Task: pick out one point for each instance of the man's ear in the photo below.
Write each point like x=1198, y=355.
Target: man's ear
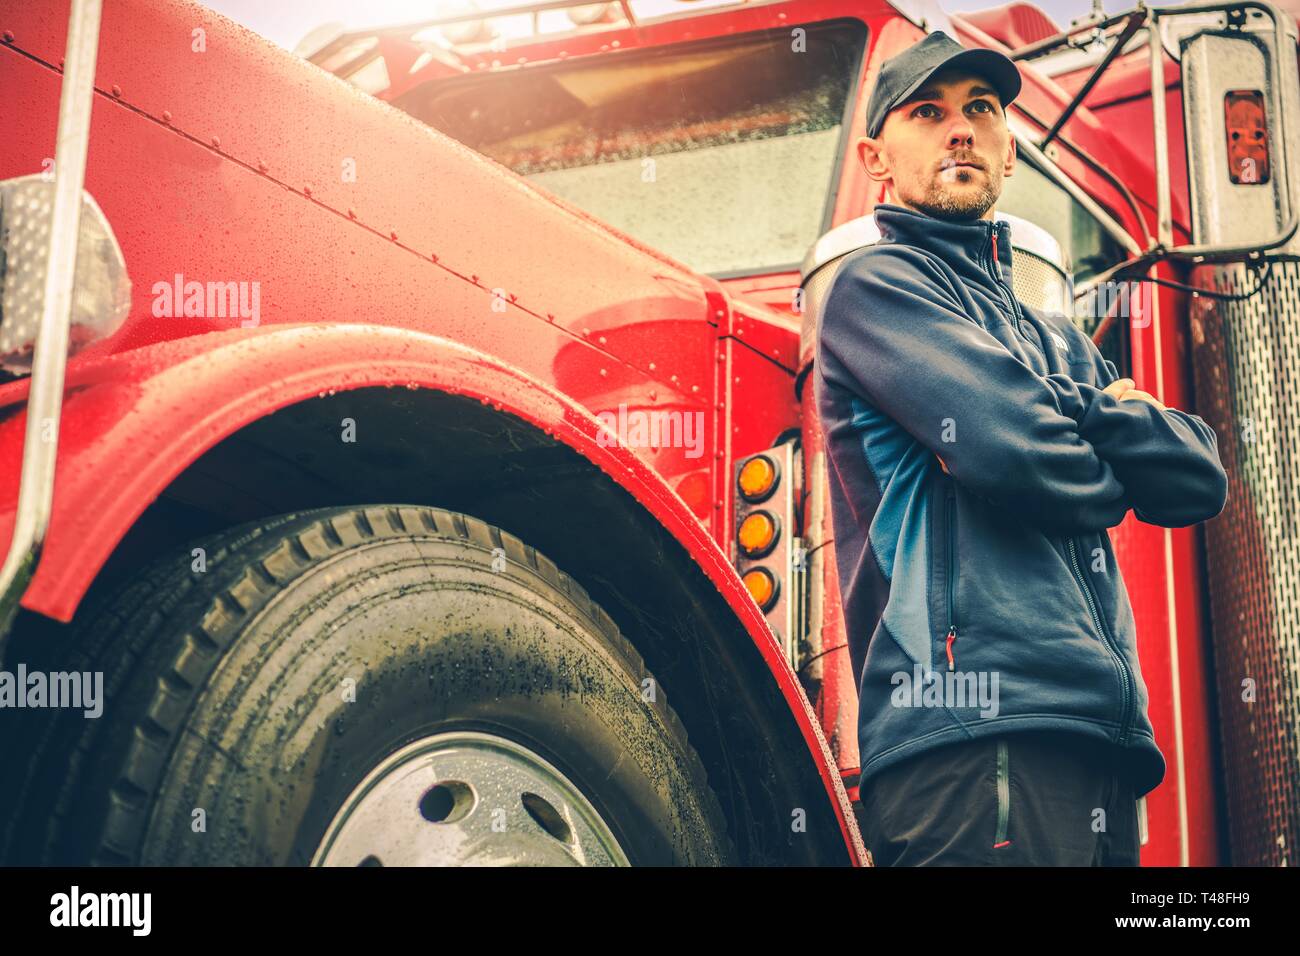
x=871, y=155
x=1009, y=166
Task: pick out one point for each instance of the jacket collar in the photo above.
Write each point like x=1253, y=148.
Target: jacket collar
x=966, y=246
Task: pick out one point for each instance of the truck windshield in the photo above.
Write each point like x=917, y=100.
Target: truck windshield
x=722, y=154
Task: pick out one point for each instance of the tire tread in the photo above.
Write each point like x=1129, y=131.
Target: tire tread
x=130, y=623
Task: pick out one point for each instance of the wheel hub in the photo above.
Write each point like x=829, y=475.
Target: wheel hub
x=467, y=799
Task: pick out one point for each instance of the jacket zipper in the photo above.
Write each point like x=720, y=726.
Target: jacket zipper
x=1125, y=677
x=1105, y=636
x=997, y=277
x=952, y=575
x=1002, y=290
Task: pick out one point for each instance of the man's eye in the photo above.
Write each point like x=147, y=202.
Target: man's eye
x=917, y=111
x=983, y=103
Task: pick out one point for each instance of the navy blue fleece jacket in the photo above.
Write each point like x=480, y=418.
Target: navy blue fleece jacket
x=1000, y=574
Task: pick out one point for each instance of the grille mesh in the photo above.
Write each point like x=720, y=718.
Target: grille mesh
x=1038, y=283
x=1246, y=365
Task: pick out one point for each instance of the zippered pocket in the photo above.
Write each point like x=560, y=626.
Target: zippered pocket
x=1127, y=693
x=1004, y=794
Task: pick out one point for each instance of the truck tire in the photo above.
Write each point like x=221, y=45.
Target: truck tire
x=380, y=685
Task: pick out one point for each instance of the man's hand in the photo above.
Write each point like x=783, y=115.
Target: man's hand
x=1118, y=387
x=1122, y=389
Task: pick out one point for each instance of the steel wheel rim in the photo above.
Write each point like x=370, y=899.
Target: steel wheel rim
x=466, y=798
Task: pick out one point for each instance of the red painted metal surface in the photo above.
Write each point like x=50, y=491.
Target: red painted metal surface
x=228, y=165
x=427, y=239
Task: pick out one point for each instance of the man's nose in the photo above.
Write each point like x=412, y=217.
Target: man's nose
x=961, y=134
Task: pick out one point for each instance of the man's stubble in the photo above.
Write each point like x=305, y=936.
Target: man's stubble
x=943, y=203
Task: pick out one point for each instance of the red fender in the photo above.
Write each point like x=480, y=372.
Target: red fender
x=134, y=421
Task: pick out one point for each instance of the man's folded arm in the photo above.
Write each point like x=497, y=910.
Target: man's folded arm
x=894, y=333
x=1167, y=460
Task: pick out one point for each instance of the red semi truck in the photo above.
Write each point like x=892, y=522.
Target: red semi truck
x=407, y=448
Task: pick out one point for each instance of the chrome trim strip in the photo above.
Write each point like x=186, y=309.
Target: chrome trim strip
x=1160, y=131
x=50, y=359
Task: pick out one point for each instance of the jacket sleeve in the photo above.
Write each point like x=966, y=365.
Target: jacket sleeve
x=1168, y=461
x=894, y=333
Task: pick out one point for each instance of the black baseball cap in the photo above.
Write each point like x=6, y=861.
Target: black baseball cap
x=903, y=74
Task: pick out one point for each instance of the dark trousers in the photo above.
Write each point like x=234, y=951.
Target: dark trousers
x=1033, y=798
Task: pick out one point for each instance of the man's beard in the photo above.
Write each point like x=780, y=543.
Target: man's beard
x=942, y=203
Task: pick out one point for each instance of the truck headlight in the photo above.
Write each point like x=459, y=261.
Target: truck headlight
x=102, y=294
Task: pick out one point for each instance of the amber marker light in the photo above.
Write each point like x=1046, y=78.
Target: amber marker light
x=1246, y=128
x=758, y=478
x=762, y=587
x=758, y=533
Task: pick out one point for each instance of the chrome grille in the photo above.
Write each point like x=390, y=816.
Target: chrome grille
x=1246, y=364
x=1037, y=283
